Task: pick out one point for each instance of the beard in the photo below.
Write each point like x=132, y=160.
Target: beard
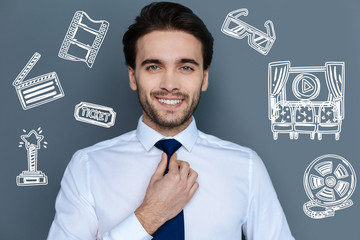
x=162, y=121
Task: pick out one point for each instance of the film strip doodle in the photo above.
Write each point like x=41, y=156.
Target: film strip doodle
x=258, y=40
x=38, y=90
x=83, y=39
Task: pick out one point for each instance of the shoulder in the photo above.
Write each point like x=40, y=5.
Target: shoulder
x=224, y=145
x=103, y=146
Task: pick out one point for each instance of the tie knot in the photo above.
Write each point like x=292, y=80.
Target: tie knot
x=168, y=145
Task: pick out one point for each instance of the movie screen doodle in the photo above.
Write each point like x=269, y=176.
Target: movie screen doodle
x=38, y=90
x=306, y=100
x=32, y=143
x=329, y=182
x=83, y=39
x=258, y=40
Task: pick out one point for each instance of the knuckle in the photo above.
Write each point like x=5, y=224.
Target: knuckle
x=194, y=173
x=186, y=164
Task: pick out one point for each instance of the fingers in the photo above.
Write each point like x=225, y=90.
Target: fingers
x=192, y=176
x=159, y=172
x=173, y=163
x=184, y=169
x=192, y=190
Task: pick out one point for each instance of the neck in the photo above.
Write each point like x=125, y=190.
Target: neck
x=166, y=131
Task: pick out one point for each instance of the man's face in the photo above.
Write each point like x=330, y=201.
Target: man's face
x=168, y=77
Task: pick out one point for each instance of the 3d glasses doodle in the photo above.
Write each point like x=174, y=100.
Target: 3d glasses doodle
x=83, y=39
x=95, y=114
x=313, y=105
x=38, y=90
x=32, y=177
x=329, y=182
x=258, y=40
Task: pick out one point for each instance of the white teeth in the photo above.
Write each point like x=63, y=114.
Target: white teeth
x=170, y=102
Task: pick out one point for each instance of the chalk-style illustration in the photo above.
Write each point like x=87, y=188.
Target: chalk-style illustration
x=83, y=39
x=329, y=182
x=32, y=177
x=38, y=90
x=95, y=114
x=258, y=40
x=306, y=100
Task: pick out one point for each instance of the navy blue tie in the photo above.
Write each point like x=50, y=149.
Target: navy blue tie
x=174, y=228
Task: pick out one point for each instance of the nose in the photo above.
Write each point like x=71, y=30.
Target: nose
x=170, y=81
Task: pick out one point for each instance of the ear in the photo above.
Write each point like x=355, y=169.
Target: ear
x=205, y=82
x=132, y=79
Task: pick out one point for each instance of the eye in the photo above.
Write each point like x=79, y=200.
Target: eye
x=153, y=68
x=186, y=68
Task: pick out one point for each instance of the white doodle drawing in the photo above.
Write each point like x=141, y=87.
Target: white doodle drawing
x=313, y=105
x=32, y=177
x=38, y=90
x=258, y=40
x=329, y=182
x=95, y=114
x=83, y=39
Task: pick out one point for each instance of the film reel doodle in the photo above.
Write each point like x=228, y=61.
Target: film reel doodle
x=38, y=90
x=329, y=182
x=83, y=37
x=32, y=143
x=258, y=40
x=306, y=100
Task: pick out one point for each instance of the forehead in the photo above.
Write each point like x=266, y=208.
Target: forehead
x=168, y=46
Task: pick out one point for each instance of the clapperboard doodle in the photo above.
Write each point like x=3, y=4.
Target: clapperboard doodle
x=306, y=100
x=38, y=90
x=329, y=182
x=258, y=40
x=95, y=114
x=32, y=143
x=83, y=39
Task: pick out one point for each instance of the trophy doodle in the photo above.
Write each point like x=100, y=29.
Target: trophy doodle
x=32, y=177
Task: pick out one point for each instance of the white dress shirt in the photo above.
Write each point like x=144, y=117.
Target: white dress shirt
x=105, y=183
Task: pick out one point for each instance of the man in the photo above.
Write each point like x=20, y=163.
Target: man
x=129, y=188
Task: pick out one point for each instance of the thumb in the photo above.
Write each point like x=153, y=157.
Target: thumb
x=160, y=170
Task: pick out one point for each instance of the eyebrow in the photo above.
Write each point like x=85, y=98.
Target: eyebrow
x=149, y=61
x=189, y=60
x=157, y=61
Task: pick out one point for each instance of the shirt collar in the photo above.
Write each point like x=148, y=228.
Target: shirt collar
x=148, y=136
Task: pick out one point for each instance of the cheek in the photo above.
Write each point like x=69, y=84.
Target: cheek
x=146, y=84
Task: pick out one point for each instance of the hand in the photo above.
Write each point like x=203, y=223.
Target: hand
x=167, y=194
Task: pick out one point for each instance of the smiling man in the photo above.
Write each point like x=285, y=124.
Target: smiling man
x=135, y=186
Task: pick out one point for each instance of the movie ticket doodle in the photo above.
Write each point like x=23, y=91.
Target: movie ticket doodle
x=329, y=182
x=95, y=114
x=83, y=39
x=38, y=90
x=31, y=142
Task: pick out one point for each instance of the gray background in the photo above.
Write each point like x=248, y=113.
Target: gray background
x=309, y=33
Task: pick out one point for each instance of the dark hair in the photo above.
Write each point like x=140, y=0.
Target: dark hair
x=167, y=16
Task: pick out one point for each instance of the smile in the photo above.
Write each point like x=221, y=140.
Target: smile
x=170, y=102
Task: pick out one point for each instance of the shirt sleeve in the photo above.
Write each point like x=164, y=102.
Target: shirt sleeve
x=266, y=219
x=75, y=216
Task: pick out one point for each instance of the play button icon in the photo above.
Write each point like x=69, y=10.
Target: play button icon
x=306, y=86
